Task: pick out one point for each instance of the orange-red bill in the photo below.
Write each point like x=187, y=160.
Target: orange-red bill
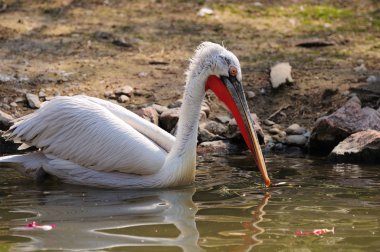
x=230, y=91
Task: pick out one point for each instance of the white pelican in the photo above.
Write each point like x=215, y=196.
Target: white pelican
x=89, y=141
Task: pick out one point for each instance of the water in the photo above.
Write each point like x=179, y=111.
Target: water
x=227, y=210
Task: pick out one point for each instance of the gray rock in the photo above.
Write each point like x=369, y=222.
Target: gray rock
x=5, y=120
x=109, y=94
x=123, y=99
x=219, y=146
x=280, y=74
x=169, y=118
x=223, y=119
x=216, y=128
x=282, y=133
x=274, y=131
x=19, y=99
x=33, y=101
x=6, y=106
x=360, y=69
x=373, y=80
x=295, y=129
x=205, y=108
x=361, y=147
x=250, y=94
x=160, y=109
x=13, y=104
x=269, y=122
x=175, y=104
x=234, y=131
x=298, y=140
x=279, y=139
x=150, y=114
x=126, y=90
x=204, y=135
x=49, y=98
x=41, y=94
x=332, y=129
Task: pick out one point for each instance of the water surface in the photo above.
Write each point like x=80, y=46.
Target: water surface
x=227, y=209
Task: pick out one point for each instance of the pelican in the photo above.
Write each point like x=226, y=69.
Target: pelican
x=89, y=141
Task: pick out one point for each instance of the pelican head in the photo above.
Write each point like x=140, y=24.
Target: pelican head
x=222, y=73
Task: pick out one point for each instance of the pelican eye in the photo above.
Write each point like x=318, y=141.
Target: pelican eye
x=233, y=71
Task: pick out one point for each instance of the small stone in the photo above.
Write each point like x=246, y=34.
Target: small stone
x=160, y=109
x=149, y=113
x=205, y=108
x=109, y=94
x=49, y=98
x=41, y=94
x=33, y=101
x=295, y=129
x=373, y=80
x=19, y=99
x=346, y=93
x=123, y=99
x=216, y=128
x=223, y=119
x=262, y=91
x=274, y=131
x=282, y=133
x=175, y=104
x=5, y=120
x=6, y=106
x=360, y=69
x=126, y=90
x=298, y=140
x=280, y=74
x=204, y=135
x=278, y=139
x=13, y=104
x=142, y=74
x=269, y=122
x=250, y=95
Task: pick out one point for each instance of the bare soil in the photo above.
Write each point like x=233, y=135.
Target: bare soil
x=70, y=47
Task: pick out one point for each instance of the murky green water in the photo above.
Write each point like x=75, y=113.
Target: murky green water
x=227, y=210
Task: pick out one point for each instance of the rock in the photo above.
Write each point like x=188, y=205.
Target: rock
x=123, y=99
x=204, y=135
x=298, y=140
x=205, y=11
x=13, y=104
x=295, y=129
x=216, y=128
x=219, y=146
x=274, y=131
x=169, y=118
x=150, y=114
x=33, y=101
x=332, y=129
x=126, y=90
x=360, y=69
x=142, y=74
x=250, y=94
x=41, y=94
x=282, y=133
x=279, y=139
x=269, y=122
x=160, y=109
x=363, y=146
x=49, y=98
x=19, y=99
x=373, y=80
x=5, y=120
x=109, y=94
x=175, y=104
x=280, y=74
x=223, y=119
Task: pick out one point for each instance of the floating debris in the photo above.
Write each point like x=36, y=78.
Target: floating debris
x=35, y=225
x=315, y=232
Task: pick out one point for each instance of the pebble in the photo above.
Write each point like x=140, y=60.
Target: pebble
x=205, y=11
x=298, y=140
x=123, y=99
x=204, y=135
x=175, y=104
x=5, y=120
x=13, y=104
x=19, y=99
x=269, y=122
x=216, y=128
x=41, y=94
x=295, y=129
x=360, y=69
x=109, y=94
x=49, y=98
x=223, y=119
x=126, y=90
x=274, y=131
x=373, y=79
x=6, y=106
x=142, y=74
x=250, y=94
x=33, y=101
x=160, y=109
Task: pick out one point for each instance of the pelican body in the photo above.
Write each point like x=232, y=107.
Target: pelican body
x=90, y=141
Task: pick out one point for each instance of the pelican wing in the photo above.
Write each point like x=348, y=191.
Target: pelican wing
x=88, y=132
